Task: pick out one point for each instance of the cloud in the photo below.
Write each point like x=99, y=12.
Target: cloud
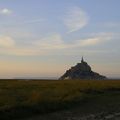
x=8, y=46
x=33, y=21
x=75, y=19
x=53, y=41
x=5, y=11
x=6, y=41
x=93, y=41
x=110, y=25
x=21, y=51
x=48, y=45
x=23, y=22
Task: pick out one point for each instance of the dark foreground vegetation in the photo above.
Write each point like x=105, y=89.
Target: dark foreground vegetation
x=27, y=98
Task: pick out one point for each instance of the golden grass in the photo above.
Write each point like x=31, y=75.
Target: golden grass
x=48, y=95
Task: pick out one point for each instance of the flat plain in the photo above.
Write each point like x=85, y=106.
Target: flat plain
x=55, y=99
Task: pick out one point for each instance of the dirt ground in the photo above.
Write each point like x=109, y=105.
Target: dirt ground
x=77, y=115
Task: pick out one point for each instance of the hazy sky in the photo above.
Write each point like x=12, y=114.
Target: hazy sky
x=43, y=38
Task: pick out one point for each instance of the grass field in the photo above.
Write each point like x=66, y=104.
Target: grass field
x=25, y=98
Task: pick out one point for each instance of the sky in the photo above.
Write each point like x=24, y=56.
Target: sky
x=44, y=38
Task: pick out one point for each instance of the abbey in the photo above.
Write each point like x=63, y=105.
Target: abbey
x=81, y=71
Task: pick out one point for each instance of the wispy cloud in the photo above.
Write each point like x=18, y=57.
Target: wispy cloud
x=111, y=24
x=75, y=19
x=5, y=11
x=21, y=51
x=94, y=41
x=55, y=41
x=33, y=21
x=24, y=22
x=6, y=41
x=48, y=45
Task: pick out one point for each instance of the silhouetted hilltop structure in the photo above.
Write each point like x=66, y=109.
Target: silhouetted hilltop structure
x=81, y=71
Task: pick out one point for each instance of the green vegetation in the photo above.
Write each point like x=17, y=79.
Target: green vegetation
x=22, y=98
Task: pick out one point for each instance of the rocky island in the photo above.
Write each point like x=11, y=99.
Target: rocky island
x=81, y=71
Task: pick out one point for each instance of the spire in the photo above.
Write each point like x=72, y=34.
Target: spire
x=82, y=60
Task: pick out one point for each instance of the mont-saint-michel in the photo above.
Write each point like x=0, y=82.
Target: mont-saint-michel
x=81, y=71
